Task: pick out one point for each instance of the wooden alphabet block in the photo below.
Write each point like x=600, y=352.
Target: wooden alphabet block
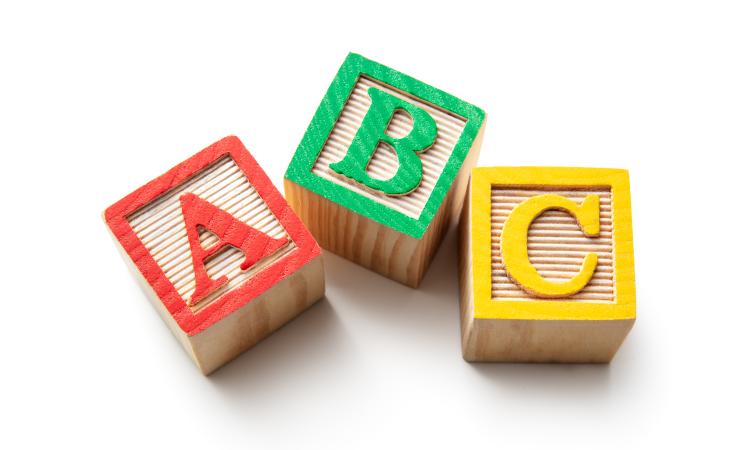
x=223, y=258
x=546, y=264
x=383, y=168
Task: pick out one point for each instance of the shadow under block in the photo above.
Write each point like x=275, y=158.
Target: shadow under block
x=383, y=168
x=546, y=265
x=221, y=255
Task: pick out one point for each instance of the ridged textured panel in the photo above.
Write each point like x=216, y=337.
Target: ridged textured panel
x=556, y=245
x=161, y=227
x=384, y=162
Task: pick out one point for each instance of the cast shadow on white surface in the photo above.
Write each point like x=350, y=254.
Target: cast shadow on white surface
x=568, y=383
x=577, y=381
x=366, y=320
x=432, y=312
x=286, y=356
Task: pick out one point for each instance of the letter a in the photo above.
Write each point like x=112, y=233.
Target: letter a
x=254, y=244
x=372, y=132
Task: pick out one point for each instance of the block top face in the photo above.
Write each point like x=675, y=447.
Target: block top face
x=551, y=243
x=210, y=235
x=385, y=145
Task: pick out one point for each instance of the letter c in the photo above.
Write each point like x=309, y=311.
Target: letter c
x=514, y=244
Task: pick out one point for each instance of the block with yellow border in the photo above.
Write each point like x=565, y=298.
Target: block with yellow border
x=546, y=264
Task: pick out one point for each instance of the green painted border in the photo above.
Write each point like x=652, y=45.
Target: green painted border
x=300, y=168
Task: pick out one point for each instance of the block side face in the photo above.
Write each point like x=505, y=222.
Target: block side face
x=150, y=225
x=256, y=320
x=326, y=138
x=355, y=237
x=547, y=341
x=553, y=243
x=466, y=279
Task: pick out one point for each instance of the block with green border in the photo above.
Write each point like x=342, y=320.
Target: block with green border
x=383, y=168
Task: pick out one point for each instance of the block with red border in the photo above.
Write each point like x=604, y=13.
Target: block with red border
x=223, y=257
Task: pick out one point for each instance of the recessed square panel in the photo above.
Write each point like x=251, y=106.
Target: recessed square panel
x=160, y=226
x=384, y=162
x=556, y=245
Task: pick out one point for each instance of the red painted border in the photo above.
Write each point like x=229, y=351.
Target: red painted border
x=306, y=247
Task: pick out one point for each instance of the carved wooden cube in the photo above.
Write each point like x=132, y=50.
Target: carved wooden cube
x=546, y=265
x=223, y=258
x=383, y=168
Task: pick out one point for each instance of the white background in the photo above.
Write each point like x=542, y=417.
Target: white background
x=96, y=100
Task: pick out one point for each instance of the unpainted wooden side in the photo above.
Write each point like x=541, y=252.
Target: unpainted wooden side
x=544, y=341
x=228, y=338
x=465, y=273
x=257, y=319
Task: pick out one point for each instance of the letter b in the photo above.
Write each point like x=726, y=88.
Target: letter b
x=372, y=131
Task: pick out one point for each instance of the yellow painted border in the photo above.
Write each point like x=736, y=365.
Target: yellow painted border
x=482, y=180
